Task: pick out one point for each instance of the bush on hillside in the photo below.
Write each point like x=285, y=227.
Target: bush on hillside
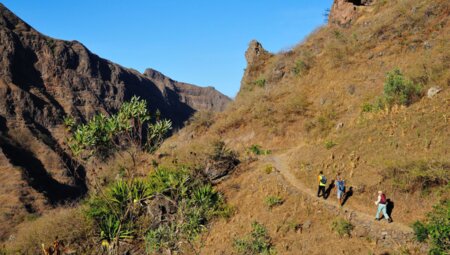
x=102, y=135
x=436, y=228
x=342, y=227
x=260, y=83
x=257, y=242
x=272, y=201
x=257, y=150
x=330, y=144
x=179, y=204
x=399, y=90
x=300, y=68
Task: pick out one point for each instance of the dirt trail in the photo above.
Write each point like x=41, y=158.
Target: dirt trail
x=365, y=226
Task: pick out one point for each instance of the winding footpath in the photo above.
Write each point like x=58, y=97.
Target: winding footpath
x=389, y=235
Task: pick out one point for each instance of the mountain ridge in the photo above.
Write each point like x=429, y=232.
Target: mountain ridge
x=42, y=80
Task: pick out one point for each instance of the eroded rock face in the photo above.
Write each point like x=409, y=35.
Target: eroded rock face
x=343, y=12
x=256, y=57
x=255, y=52
x=41, y=81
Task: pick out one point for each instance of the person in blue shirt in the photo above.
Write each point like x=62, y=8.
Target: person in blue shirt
x=340, y=185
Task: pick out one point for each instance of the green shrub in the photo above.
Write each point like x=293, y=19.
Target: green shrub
x=325, y=121
x=260, y=83
x=257, y=150
x=101, y=136
x=116, y=210
x=300, y=68
x=257, y=242
x=342, y=227
x=272, y=201
x=399, y=90
x=163, y=238
x=268, y=169
x=420, y=230
x=368, y=107
x=436, y=228
x=330, y=144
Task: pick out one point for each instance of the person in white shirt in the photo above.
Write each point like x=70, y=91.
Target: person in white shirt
x=381, y=203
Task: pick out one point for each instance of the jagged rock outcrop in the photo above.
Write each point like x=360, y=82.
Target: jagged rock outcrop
x=343, y=12
x=199, y=98
x=41, y=81
x=256, y=57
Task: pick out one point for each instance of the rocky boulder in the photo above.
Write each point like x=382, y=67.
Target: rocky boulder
x=343, y=12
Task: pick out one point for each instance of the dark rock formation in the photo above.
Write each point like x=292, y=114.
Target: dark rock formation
x=343, y=12
x=41, y=81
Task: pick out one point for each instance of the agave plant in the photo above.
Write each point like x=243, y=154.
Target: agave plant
x=103, y=135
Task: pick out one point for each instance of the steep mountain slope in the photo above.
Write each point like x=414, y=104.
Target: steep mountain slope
x=197, y=97
x=318, y=105
x=41, y=81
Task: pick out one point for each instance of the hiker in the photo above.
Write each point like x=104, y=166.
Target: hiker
x=340, y=184
x=382, y=202
x=322, y=184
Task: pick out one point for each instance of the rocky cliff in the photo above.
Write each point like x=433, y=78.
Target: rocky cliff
x=41, y=81
x=343, y=12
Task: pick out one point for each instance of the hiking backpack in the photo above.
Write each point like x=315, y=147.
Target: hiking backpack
x=383, y=199
x=323, y=180
x=341, y=185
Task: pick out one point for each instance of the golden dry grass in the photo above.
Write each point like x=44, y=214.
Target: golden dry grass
x=66, y=224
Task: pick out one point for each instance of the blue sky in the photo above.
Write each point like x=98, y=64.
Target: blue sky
x=195, y=41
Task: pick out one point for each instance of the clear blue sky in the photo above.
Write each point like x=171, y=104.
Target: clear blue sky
x=196, y=41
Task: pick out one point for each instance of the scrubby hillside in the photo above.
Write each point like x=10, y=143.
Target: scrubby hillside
x=366, y=96
x=43, y=80
x=356, y=97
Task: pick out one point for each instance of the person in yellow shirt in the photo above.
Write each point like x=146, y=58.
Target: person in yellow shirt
x=322, y=184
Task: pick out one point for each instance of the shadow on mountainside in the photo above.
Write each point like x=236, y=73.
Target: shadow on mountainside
x=35, y=174
x=348, y=194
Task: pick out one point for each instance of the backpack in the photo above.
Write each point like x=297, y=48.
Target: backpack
x=323, y=180
x=341, y=185
x=383, y=199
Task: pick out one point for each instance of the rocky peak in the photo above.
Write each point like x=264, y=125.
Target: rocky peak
x=255, y=52
x=343, y=12
x=154, y=74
